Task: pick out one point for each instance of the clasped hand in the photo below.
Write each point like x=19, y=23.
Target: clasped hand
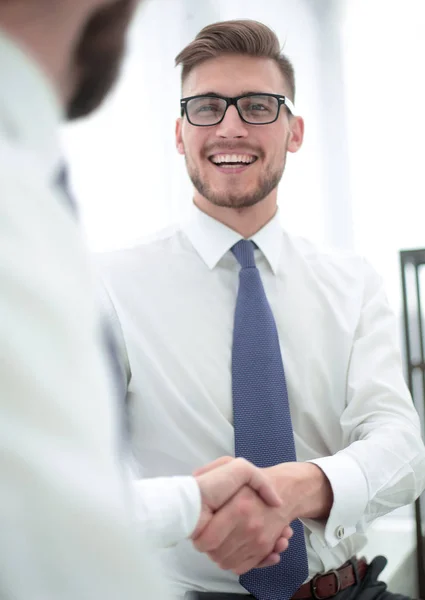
x=243, y=523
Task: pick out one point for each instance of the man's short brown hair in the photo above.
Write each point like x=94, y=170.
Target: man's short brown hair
x=247, y=37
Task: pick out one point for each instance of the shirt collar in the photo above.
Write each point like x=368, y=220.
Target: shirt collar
x=30, y=108
x=212, y=239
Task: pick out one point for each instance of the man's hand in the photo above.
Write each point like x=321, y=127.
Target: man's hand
x=251, y=529
x=305, y=487
x=221, y=480
x=237, y=535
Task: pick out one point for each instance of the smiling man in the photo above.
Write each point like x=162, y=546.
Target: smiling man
x=244, y=340
x=231, y=164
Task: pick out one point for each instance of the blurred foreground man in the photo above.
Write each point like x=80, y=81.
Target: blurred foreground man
x=67, y=520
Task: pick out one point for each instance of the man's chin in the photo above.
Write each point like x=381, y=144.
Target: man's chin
x=232, y=201
x=236, y=195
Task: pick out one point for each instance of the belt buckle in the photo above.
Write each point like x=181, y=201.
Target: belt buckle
x=314, y=587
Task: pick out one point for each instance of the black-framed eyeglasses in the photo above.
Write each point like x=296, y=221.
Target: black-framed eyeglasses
x=254, y=109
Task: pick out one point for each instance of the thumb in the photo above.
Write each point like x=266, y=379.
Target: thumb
x=223, y=460
x=222, y=483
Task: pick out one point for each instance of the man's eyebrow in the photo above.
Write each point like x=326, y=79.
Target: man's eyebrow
x=213, y=94
x=216, y=95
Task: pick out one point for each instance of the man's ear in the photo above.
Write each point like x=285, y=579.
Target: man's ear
x=296, y=135
x=179, y=139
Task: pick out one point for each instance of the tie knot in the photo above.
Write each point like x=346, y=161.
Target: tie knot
x=244, y=253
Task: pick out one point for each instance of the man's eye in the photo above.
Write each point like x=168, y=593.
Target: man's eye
x=258, y=107
x=208, y=108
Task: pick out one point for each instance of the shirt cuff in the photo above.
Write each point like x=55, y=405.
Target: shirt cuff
x=350, y=495
x=167, y=508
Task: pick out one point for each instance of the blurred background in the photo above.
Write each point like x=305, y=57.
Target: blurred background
x=357, y=183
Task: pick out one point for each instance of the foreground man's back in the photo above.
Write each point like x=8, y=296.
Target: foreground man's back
x=66, y=519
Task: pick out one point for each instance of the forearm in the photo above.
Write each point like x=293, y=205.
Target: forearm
x=370, y=478
x=64, y=507
x=315, y=493
x=391, y=461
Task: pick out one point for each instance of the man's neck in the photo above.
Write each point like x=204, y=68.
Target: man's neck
x=246, y=221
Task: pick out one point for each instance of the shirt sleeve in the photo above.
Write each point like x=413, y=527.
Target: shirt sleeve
x=167, y=508
x=66, y=518
x=382, y=465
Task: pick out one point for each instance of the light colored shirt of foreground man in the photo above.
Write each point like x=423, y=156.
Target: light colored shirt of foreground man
x=352, y=414
x=66, y=517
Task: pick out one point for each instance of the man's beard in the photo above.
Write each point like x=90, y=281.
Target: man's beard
x=99, y=55
x=267, y=183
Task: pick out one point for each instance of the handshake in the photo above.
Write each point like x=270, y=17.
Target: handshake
x=244, y=524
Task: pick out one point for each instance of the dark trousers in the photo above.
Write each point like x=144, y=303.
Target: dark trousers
x=368, y=589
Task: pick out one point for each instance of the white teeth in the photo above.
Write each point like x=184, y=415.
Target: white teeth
x=233, y=158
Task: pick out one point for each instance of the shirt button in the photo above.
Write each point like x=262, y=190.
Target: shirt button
x=340, y=532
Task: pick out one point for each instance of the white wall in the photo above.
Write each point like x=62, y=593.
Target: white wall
x=383, y=55
x=384, y=50
x=128, y=177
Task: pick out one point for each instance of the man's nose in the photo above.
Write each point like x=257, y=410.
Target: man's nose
x=232, y=125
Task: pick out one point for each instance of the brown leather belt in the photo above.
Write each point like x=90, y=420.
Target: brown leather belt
x=321, y=587
x=328, y=584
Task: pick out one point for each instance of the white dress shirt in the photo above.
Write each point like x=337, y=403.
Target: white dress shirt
x=66, y=507
x=351, y=411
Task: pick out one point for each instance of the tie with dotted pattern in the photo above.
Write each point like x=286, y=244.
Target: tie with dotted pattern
x=262, y=420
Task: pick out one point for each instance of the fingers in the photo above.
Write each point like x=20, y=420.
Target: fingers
x=271, y=560
x=236, y=533
x=261, y=483
x=220, y=527
x=246, y=557
x=204, y=518
x=243, y=500
x=242, y=535
x=245, y=561
x=222, y=483
x=252, y=563
x=288, y=532
x=282, y=544
x=223, y=460
x=250, y=554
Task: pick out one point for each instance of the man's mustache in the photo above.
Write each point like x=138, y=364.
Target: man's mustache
x=232, y=148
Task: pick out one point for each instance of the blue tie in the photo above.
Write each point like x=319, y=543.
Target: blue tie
x=262, y=421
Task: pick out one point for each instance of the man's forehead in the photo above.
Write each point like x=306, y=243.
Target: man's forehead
x=217, y=91
x=235, y=75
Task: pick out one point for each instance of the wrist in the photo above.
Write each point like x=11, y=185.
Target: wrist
x=204, y=514
x=307, y=485
x=318, y=493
